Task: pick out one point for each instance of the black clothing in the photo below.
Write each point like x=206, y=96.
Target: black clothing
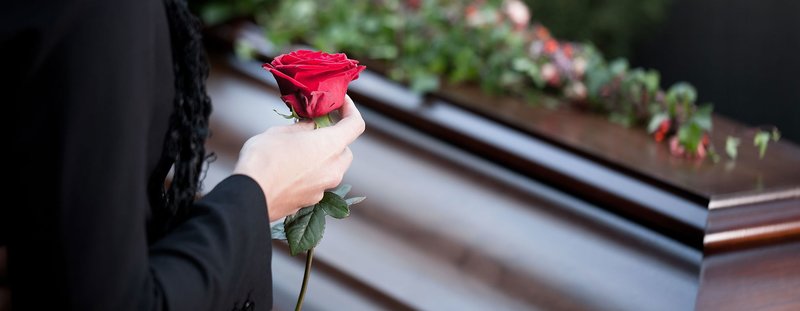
x=90, y=85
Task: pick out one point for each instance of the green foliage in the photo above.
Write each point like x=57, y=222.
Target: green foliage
x=304, y=230
x=762, y=138
x=452, y=41
x=213, y=12
x=732, y=146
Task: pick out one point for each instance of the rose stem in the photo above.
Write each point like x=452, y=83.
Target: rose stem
x=306, y=275
x=323, y=121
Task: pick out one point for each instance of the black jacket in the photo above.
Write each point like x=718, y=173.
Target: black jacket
x=87, y=95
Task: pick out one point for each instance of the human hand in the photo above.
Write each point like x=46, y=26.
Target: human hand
x=295, y=164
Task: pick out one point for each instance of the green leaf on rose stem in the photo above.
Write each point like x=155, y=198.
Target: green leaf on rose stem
x=277, y=231
x=304, y=230
x=334, y=205
x=342, y=190
x=355, y=200
x=732, y=146
x=761, y=140
x=656, y=120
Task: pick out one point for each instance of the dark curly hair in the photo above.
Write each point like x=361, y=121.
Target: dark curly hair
x=184, y=149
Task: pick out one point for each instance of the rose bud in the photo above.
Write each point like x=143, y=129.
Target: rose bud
x=313, y=83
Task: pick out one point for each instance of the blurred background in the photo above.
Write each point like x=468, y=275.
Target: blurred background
x=465, y=209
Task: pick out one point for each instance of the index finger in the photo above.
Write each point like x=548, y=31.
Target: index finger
x=349, y=127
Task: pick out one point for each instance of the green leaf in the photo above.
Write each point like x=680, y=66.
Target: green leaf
x=334, y=205
x=304, y=230
x=776, y=134
x=422, y=82
x=682, y=92
x=618, y=66
x=355, y=200
x=341, y=190
x=277, y=231
x=652, y=80
x=244, y=50
x=287, y=116
x=656, y=120
x=732, y=146
x=761, y=140
x=712, y=153
x=702, y=116
x=690, y=135
x=215, y=13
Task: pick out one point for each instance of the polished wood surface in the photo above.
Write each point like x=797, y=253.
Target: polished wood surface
x=635, y=152
x=763, y=278
x=754, y=224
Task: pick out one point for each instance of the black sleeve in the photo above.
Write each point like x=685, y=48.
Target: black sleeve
x=88, y=79
x=223, y=251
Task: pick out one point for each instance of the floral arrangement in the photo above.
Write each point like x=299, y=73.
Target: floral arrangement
x=493, y=44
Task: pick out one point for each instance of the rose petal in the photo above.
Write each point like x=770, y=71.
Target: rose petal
x=296, y=102
x=286, y=84
x=293, y=69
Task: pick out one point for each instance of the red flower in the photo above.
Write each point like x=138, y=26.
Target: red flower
x=542, y=33
x=662, y=130
x=313, y=83
x=550, y=46
x=569, y=51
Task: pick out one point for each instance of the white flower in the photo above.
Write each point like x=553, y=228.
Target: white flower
x=518, y=13
x=579, y=66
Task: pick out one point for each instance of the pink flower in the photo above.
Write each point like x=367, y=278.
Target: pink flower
x=550, y=74
x=518, y=13
x=675, y=147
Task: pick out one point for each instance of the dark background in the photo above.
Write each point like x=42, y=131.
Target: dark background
x=742, y=55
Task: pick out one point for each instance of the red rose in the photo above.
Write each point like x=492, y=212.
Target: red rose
x=313, y=83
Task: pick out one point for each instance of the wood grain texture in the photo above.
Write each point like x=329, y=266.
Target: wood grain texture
x=764, y=278
x=754, y=224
